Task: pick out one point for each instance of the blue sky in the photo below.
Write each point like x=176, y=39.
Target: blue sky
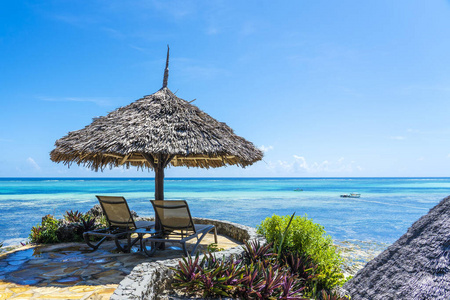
x=325, y=88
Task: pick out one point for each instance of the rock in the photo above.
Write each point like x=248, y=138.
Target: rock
x=69, y=232
x=96, y=211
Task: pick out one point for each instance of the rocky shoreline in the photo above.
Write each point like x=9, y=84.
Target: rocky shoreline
x=357, y=254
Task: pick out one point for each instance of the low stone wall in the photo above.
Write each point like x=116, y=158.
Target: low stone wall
x=148, y=280
x=235, y=231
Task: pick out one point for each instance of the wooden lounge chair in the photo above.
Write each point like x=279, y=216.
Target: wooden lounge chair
x=176, y=225
x=120, y=224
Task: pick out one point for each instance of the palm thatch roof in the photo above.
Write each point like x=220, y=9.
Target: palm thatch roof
x=158, y=126
x=416, y=266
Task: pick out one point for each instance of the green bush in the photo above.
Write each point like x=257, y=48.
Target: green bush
x=308, y=239
x=46, y=232
x=68, y=229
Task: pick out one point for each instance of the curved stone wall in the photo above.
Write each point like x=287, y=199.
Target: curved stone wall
x=148, y=280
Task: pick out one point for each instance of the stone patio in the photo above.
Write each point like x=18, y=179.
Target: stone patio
x=74, y=271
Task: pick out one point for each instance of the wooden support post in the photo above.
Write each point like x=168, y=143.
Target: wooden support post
x=158, y=163
x=159, y=181
x=159, y=190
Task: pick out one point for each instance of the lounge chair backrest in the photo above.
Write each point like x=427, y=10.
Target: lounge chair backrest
x=117, y=211
x=173, y=215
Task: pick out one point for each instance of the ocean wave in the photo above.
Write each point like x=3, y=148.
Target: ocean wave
x=13, y=242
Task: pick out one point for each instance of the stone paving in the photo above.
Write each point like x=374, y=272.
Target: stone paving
x=74, y=271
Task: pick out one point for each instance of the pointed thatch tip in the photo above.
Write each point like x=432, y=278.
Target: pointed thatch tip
x=166, y=70
x=158, y=124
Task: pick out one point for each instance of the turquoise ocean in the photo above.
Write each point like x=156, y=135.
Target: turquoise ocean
x=387, y=207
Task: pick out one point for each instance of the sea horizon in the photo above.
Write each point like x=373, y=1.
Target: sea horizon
x=387, y=207
x=228, y=177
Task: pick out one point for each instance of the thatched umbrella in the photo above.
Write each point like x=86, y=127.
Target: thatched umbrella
x=152, y=133
x=416, y=266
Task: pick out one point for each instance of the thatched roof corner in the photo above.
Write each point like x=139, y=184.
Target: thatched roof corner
x=416, y=266
x=160, y=123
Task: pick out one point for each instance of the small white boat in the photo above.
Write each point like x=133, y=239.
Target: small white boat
x=352, y=195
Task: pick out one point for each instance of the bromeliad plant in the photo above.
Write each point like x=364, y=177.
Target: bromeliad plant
x=207, y=277
x=259, y=275
x=89, y=223
x=188, y=274
x=300, y=265
x=73, y=216
x=254, y=252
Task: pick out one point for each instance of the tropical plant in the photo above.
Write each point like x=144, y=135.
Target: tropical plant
x=254, y=251
x=263, y=282
x=299, y=265
x=46, y=232
x=73, y=216
x=187, y=275
x=333, y=296
x=233, y=272
x=289, y=290
x=214, y=282
x=283, y=236
x=88, y=223
x=68, y=229
x=213, y=247
x=257, y=276
x=307, y=239
x=35, y=235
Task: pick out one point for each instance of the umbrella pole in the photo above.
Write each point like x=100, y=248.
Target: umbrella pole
x=159, y=182
x=159, y=191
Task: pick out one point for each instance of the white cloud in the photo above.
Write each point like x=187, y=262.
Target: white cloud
x=300, y=166
x=300, y=163
x=32, y=163
x=265, y=148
